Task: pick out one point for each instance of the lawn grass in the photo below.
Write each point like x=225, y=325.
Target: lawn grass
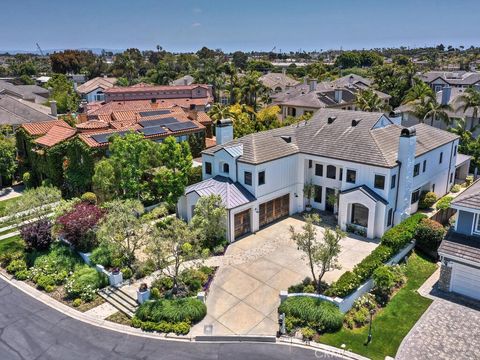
x=392, y=323
x=4, y=203
x=11, y=244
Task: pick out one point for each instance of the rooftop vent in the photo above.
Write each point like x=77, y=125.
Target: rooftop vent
x=287, y=139
x=355, y=122
x=153, y=101
x=331, y=119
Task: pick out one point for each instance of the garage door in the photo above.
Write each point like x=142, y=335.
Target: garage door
x=242, y=223
x=466, y=281
x=274, y=209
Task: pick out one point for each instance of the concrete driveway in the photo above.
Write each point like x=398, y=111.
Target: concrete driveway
x=244, y=296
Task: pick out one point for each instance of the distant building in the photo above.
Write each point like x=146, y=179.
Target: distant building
x=15, y=111
x=93, y=90
x=278, y=82
x=32, y=93
x=306, y=98
x=184, y=80
x=437, y=80
x=194, y=96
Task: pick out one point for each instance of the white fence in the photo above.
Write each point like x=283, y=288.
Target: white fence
x=346, y=303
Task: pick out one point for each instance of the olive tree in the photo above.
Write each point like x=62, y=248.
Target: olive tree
x=210, y=219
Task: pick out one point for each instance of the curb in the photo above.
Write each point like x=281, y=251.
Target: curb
x=108, y=325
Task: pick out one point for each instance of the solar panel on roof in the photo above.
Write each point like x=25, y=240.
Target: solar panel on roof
x=185, y=125
x=103, y=138
x=152, y=130
x=154, y=113
x=158, y=122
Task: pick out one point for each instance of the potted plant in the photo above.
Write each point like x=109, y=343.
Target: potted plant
x=143, y=293
x=332, y=200
x=308, y=191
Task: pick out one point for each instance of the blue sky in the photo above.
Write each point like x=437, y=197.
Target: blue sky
x=187, y=25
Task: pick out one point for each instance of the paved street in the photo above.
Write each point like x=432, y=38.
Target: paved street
x=449, y=329
x=31, y=330
x=245, y=292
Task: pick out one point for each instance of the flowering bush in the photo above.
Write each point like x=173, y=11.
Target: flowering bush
x=84, y=282
x=37, y=235
x=78, y=225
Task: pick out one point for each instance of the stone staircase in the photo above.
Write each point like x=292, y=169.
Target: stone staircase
x=120, y=300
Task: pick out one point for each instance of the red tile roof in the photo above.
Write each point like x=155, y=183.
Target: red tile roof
x=92, y=124
x=55, y=135
x=146, y=87
x=141, y=105
x=42, y=127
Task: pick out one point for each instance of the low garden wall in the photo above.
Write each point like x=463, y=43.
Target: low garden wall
x=346, y=303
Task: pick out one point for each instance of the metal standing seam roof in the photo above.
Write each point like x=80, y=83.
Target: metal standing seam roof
x=339, y=140
x=232, y=193
x=366, y=190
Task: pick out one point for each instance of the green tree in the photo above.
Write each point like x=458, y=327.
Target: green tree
x=320, y=254
x=470, y=99
x=63, y=93
x=430, y=108
x=348, y=59
x=32, y=200
x=219, y=112
x=240, y=59
x=368, y=100
x=252, y=89
x=420, y=90
x=172, y=245
x=8, y=163
x=104, y=180
x=210, y=220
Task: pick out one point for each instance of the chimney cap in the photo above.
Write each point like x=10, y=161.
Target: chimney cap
x=224, y=122
x=408, y=132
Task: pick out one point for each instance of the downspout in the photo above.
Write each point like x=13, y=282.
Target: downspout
x=449, y=168
x=398, y=188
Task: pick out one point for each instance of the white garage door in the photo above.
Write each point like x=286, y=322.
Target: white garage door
x=466, y=281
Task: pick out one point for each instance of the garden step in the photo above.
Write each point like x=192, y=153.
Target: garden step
x=120, y=300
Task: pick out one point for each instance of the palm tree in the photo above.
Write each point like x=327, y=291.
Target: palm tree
x=252, y=89
x=219, y=112
x=465, y=135
x=470, y=99
x=418, y=91
x=430, y=108
x=368, y=100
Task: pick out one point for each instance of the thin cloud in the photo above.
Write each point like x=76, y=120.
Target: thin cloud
x=197, y=10
x=196, y=24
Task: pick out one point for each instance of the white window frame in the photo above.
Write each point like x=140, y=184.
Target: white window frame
x=476, y=223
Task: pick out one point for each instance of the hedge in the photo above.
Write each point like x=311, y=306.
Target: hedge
x=392, y=241
x=319, y=314
x=188, y=310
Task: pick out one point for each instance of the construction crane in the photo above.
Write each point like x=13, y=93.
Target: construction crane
x=39, y=49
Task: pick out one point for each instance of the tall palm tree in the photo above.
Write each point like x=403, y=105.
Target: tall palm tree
x=430, y=108
x=252, y=89
x=465, y=135
x=418, y=91
x=368, y=100
x=470, y=99
x=219, y=112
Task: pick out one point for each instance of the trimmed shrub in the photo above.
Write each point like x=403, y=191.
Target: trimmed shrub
x=16, y=265
x=174, y=311
x=469, y=180
x=308, y=333
x=401, y=234
x=37, y=235
x=78, y=226
x=444, y=203
x=84, y=283
x=127, y=273
x=427, y=199
x=181, y=328
x=384, y=279
x=102, y=255
x=456, y=188
x=89, y=197
x=429, y=235
x=77, y=302
x=321, y=315
x=46, y=282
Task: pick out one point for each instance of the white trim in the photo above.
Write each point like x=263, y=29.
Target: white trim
x=459, y=259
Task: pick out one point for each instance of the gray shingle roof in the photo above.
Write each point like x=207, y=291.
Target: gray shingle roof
x=470, y=198
x=232, y=193
x=461, y=246
x=27, y=92
x=339, y=140
x=15, y=111
x=452, y=77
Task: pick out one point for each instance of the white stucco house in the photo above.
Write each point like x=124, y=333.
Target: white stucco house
x=365, y=167
x=93, y=89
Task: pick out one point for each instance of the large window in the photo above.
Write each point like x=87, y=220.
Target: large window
x=318, y=169
x=261, y=178
x=416, y=170
x=317, y=196
x=359, y=215
x=415, y=196
x=208, y=168
x=379, y=182
x=331, y=172
x=351, y=176
x=247, y=178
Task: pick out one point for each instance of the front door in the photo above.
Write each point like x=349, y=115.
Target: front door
x=330, y=205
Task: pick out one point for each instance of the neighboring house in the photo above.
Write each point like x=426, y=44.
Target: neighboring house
x=195, y=96
x=364, y=166
x=184, y=80
x=460, y=250
x=278, y=82
x=32, y=93
x=93, y=90
x=15, y=111
x=447, y=96
x=307, y=98
x=457, y=79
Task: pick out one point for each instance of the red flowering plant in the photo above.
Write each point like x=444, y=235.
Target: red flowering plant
x=78, y=226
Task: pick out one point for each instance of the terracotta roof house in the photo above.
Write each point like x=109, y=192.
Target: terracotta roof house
x=460, y=250
x=306, y=98
x=93, y=89
x=278, y=82
x=15, y=111
x=194, y=96
x=375, y=168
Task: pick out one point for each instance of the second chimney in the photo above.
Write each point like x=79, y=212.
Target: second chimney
x=53, y=108
x=313, y=85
